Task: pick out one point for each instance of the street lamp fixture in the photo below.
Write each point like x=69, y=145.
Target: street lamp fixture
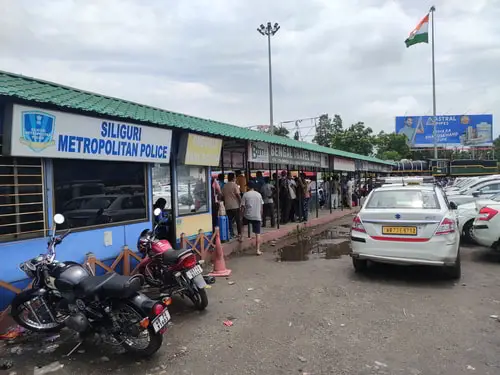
x=269, y=30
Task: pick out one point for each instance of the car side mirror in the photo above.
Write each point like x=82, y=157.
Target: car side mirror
x=476, y=194
x=453, y=205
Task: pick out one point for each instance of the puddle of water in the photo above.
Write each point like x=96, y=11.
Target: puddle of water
x=331, y=244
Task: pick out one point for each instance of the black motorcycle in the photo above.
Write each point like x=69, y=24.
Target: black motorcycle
x=109, y=306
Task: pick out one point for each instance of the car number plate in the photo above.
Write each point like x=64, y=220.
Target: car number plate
x=404, y=231
x=195, y=271
x=161, y=320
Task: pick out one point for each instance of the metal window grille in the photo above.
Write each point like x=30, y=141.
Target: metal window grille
x=22, y=209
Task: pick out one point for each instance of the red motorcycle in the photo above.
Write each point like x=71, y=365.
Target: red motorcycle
x=173, y=271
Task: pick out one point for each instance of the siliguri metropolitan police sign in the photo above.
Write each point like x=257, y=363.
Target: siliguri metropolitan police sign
x=54, y=134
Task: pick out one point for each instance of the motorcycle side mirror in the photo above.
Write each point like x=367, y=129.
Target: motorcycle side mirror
x=157, y=211
x=58, y=219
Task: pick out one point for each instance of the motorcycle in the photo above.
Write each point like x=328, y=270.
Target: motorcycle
x=65, y=294
x=172, y=271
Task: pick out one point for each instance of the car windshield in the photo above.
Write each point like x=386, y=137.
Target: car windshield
x=472, y=185
x=413, y=199
x=98, y=203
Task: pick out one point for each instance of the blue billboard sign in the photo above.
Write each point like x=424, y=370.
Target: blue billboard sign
x=451, y=131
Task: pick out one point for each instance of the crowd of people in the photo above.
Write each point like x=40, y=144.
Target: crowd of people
x=254, y=201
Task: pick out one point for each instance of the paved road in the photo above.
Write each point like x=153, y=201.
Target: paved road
x=318, y=317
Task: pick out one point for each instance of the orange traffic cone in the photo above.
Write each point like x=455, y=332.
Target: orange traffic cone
x=218, y=261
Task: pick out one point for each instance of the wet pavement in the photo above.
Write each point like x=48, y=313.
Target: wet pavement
x=330, y=244
x=314, y=316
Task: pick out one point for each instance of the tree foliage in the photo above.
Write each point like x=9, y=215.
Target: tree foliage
x=392, y=146
x=281, y=131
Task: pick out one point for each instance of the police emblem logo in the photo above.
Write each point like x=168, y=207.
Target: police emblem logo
x=37, y=130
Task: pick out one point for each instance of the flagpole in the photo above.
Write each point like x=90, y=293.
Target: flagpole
x=432, y=10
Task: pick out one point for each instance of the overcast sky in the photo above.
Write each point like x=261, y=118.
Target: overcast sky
x=205, y=57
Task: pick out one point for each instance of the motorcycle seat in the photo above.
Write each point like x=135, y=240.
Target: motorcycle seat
x=110, y=285
x=172, y=256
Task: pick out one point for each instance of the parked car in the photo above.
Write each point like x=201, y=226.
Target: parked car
x=407, y=225
x=479, y=190
x=467, y=213
x=469, y=183
x=104, y=208
x=486, y=227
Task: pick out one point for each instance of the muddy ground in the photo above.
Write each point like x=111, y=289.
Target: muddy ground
x=302, y=310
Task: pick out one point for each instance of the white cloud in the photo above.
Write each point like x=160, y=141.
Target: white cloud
x=205, y=57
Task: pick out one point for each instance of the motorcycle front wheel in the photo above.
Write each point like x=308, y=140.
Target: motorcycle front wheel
x=138, y=341
x=35, y=313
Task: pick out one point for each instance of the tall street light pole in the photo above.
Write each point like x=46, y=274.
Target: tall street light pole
x=269, y=31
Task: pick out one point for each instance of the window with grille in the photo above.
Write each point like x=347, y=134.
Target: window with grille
x=21, y=198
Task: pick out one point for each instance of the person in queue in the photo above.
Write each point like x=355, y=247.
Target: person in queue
x=267, y=192
x=241, y=181
x=232, y=202
x=251, y=206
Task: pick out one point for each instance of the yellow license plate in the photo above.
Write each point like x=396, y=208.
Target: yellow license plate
x=405, y=231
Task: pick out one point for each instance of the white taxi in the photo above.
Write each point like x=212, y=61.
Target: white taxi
x=408, y=225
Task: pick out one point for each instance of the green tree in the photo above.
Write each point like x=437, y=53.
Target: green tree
x=390, y=145
x=326, y=129
x=357, y=138
x=281, y=131
x=390, y=155
x=496, y=146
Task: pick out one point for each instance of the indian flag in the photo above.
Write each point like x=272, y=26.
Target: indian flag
x=420, y=34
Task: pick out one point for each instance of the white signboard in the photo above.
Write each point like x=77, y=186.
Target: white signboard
x=52, y=134
x=342, y=164
x=258, y=152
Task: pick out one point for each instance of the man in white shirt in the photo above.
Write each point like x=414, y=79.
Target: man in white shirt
x=251, y=206
x=349, y=192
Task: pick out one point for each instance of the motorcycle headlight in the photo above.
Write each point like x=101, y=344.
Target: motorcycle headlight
x=27, y=270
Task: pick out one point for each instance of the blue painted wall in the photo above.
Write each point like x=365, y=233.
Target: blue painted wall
x=77, y=244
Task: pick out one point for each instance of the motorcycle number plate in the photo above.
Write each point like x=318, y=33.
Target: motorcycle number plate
x=195, y=271
x=161, y=320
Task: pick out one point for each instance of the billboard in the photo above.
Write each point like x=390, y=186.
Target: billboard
x=452, y=130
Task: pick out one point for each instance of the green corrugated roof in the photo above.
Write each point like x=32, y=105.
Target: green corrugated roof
x=34, y=90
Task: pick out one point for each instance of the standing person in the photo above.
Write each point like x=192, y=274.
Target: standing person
x=251, y=206
x=335, y=192
x=305, y=186
x=220, y=179
x=349, y=192
x=327, y=191
x=241, y=181
x=285, y=201
x=292, y=187
x=267, y=192
x=232, y=201
x=259, y=180
x=216, y=197
x=313, y=201
x=301, y=191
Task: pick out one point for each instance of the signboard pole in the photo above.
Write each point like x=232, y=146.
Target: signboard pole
x=432, y=10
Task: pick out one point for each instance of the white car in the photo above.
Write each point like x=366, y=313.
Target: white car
x=408, y=225
x=468, y=212
x=486, y=226
x=480, y=190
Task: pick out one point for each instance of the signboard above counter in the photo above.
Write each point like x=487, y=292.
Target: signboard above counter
x=36, y=132
x=200, y=150
x=293, y=156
